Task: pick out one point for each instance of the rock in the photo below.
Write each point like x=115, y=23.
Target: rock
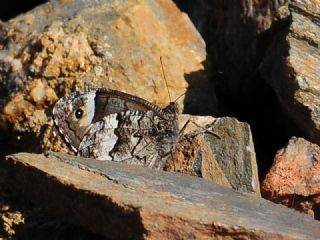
x=294, y=179
x=9, y=221
x=61, y=46
x=291, y=67
x=106, y=197
x=227, y=158
x=236, y=34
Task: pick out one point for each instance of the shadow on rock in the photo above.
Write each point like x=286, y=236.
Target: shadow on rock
x=200, y=98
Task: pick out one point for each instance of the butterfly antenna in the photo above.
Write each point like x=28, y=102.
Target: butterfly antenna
x=180, y=96
x=165, y=79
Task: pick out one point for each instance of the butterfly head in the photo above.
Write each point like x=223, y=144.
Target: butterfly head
x=73, y=116
x=172, y=108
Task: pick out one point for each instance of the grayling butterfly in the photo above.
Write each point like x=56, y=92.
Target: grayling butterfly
x=106, y=124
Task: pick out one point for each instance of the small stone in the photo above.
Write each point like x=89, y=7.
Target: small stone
x=294, y=178
x=42, y=94
x=15, y=108
x=38, y=92
x=222, y=151
x=9, y=221
x=4, y=208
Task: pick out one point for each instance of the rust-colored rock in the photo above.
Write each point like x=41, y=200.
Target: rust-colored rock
x=59, y=47
x=294, y=179
x=291, y=66
x=124, y=201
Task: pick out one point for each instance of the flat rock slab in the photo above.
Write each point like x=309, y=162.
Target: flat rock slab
x=121, y=201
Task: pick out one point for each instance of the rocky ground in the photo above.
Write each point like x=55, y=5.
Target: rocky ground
x=253, y=65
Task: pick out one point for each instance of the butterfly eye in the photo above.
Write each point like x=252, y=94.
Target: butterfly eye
x=79, y=113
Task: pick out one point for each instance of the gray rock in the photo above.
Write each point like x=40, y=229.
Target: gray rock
x=129, y=202
x=291, y=66
x=227, y=158
x=235, y=154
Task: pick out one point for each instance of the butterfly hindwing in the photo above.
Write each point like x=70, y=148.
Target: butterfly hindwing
x=129, y=137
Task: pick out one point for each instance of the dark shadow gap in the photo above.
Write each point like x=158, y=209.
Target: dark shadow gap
x=249, y=99
x=271, y=128
x=13, y=8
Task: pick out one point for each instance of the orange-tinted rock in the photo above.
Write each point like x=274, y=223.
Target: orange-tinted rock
x=122, y=201
x=59, y=47
x=294, y=179
x=41, y=94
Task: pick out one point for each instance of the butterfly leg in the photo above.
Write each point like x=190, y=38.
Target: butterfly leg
x=206, y=129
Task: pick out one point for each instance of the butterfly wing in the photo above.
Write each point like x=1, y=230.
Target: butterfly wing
x=108, y=101
x=67, y=120
x=132, y=137
x=110, y=125
x=74, y=114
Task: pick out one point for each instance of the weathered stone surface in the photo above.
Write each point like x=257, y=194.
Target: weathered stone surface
x=107, y=198
x=294, y=179
x=292, y=64
x=62, y=46
x=227, y=159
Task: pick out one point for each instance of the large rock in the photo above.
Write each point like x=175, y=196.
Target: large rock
x=128, y=202
x=224, y=154
x=294, y=179
x=291, y=66
x=66, y=45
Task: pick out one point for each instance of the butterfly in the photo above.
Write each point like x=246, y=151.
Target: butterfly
x=106, y=124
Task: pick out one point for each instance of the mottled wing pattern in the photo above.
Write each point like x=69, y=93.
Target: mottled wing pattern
x=108, y=101
x=72, y=129
x=140, y=138
x=110, y=125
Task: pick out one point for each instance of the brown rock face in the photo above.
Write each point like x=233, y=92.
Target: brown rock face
x=122, y=201
x=62, y=46
x=292, y=64
x=294, y=179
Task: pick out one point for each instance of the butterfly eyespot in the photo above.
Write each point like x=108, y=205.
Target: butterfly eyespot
x=79, y=113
